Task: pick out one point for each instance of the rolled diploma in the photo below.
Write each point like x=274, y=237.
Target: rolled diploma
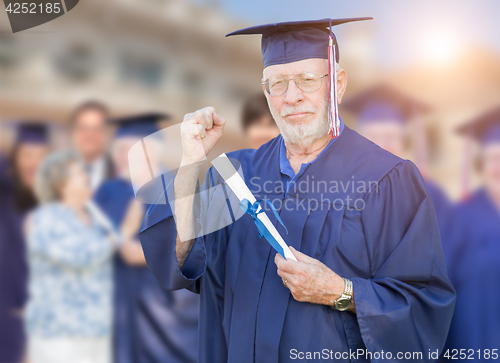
x=239, y=187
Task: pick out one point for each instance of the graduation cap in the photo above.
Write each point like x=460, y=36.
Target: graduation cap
x=485, y=129
x=140, y=125
x=298, y=40
x=31, y=132
x=382, y=103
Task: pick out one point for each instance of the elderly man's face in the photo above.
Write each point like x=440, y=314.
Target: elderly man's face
x=302, y=117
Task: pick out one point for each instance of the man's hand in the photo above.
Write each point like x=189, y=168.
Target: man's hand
x=309, y=280
x=200, y=131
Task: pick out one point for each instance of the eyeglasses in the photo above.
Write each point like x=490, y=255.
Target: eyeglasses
x=307, y=82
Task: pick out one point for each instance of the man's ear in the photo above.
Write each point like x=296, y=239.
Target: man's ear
x=341, y=84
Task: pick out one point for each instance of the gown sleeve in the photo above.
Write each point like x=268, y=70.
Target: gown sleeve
x=158, y=236
x=406, y=303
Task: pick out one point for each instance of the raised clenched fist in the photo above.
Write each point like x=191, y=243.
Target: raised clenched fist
x=200, y=131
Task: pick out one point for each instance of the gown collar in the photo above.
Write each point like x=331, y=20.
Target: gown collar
x=285, y=166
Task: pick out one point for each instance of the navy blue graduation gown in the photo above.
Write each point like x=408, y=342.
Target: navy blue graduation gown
x=384, y=239
x=13, y=274
x=472, y=250
x=441, y=204
x=151, y=324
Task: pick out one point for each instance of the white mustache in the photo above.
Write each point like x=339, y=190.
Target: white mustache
x=293, y=110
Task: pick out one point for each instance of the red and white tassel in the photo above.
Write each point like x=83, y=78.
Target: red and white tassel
x=333, y=110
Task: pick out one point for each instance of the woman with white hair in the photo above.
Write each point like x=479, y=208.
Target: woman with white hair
x=69, y=314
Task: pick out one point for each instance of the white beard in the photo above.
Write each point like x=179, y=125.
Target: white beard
x=302, y=133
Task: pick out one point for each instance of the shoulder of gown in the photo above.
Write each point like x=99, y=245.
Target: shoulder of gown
x=351, y=155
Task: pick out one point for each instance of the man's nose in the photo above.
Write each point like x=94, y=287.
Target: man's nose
x=293, y=94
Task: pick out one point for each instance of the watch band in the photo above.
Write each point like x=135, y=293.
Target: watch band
x=348, y=288
x=346, y=295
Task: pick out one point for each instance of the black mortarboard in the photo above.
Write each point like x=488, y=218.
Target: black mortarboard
x=140, y=125
x=484, y=128
x=383, y=102
x=295, y=40
x=32, y=132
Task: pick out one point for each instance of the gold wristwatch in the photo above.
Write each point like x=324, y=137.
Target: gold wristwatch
x=344, y=302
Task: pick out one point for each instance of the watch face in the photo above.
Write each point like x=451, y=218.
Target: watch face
x=342, y=304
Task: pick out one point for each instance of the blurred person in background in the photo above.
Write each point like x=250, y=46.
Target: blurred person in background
x=18, y=177
x=69, y=313
x=90, y=139
x=384, y=115
x=472, y=250
x=257, y=121
x=30, y=149
x=151, y=324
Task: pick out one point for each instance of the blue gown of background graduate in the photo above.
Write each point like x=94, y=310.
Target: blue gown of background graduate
x=13, y=266
x=472, y=250
x=442, y=205
x=382, y=103
x=13, y=273
x=385, y=239
x=151, y=324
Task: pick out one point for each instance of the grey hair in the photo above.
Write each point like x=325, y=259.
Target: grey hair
x=52, y=174
x=337, y=68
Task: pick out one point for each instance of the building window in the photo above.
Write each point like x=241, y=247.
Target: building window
x=144, y=71
x=76, y=62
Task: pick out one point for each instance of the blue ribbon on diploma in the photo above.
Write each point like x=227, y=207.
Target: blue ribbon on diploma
x=251, y=209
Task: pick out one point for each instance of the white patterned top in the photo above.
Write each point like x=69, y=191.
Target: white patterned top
x=70, y=275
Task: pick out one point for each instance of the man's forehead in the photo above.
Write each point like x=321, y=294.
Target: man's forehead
x=307, y=65
x=92, y=114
